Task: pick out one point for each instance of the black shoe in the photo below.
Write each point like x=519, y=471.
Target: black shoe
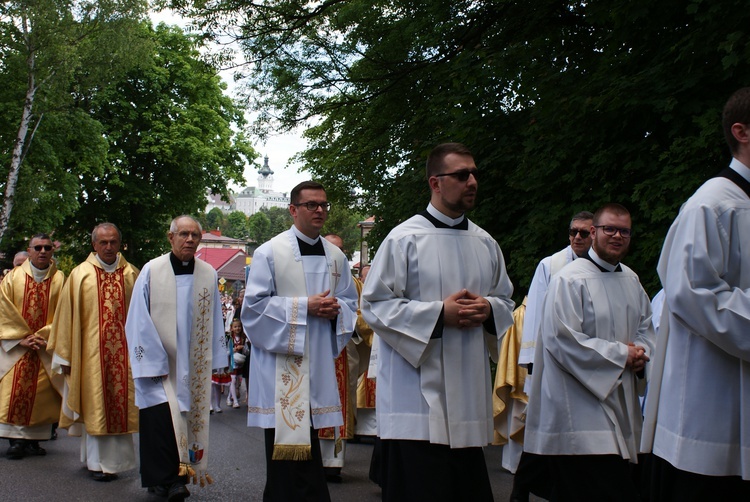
x=17, y=449
x=33, y=449
x=159, y=490
x=333, y=474
x=103, y=476
x=177, y=492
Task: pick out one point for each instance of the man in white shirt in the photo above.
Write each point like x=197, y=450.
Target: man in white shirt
x=698, y=400
x=438, y=296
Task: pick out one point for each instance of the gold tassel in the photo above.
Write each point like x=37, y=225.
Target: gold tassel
x=297, y=452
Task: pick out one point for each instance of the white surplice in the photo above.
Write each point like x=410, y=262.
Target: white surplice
x=583, y=400
x=535, y=299
x=151, y=363
x=436, y=390
x=698, y=398
x=268, y=319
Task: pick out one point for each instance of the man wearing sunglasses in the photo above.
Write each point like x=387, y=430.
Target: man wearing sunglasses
x=438, y=296
x=299, y=312
x=531, y=474
x=29, y=391
x=90, y=349
x=698, y=400
x=595, y=338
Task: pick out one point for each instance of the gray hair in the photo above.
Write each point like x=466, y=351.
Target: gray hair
x=583, y=215
x=106, y=224
x=173, y=224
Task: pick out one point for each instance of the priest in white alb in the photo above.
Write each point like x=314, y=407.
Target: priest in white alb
x=595, y=340
x=438, y=297
x=89, y=347
x=175, y=334
x=698, y=404
x=299, y=312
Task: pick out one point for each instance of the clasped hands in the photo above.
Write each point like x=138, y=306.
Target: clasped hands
x=637, y=358
x=465, y=310
x=33, y=342
x=321, y=305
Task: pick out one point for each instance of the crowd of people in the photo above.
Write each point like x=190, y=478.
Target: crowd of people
x=590, y=400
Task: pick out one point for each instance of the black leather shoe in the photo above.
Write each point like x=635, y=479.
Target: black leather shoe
x=33, y=448
x=103, y=476
x=17, y=449
x=177, y=492
x=159, y=491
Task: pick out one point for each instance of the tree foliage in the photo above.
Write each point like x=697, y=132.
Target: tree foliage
x=172, y=134
x=566, y=105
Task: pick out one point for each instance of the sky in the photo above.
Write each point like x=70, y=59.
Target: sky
x=278, y=147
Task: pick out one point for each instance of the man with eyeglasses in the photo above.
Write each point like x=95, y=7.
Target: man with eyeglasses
x=299, y=312
x=89, y=347
x=175, y=334
x=29, y=390
x=438, y=296
x=531, y=473
x=698, y=406
x=595, y=339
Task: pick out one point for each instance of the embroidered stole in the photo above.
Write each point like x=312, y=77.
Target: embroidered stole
x=191, y=427
x=292, y=392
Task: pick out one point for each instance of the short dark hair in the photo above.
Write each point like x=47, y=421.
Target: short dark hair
x=305, y=185
x=583, y=215
x=105, y=224
x=435, y=164
x=612, y=207
x=736, y=110
x=40, y=236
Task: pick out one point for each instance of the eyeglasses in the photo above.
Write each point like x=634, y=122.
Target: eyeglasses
x=626, y=233
x=184, y=234
x=313, y=206
x=584, y=233
x=462, y=174
x=39, y=247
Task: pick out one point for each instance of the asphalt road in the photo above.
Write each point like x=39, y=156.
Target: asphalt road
x=237, y=466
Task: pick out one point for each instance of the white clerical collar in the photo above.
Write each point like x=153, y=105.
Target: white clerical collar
x=107, y=267
x=607, y=266
x=303, y=237
x=741, y=169
x=38, y=273
x=442, y=217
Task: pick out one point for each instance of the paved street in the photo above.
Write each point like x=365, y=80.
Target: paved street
x=236, y=461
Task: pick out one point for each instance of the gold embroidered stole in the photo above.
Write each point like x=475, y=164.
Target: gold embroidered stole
x=32, y=395
x=292, y=392
x=191, y=427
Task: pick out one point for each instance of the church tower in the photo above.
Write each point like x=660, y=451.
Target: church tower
x=265, y=177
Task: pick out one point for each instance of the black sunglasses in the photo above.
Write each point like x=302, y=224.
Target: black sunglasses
x=584, y=233
x=39, y=247
x=461, y=175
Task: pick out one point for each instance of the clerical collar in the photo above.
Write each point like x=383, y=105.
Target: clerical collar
x=740, y=168
x=181, y=267
x=443, y=218
x=38, y=273
x=601, y=264
x=106, y=266
x=308, y=246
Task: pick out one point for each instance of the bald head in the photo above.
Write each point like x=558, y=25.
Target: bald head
x=20, y=257
x=336, y=241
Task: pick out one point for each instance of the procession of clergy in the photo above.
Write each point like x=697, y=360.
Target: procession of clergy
x=111, y=351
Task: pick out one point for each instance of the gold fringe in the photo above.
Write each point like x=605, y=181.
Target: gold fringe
x=295, y=452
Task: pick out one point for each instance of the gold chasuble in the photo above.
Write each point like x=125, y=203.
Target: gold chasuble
x=29, y=395
x=89, y=333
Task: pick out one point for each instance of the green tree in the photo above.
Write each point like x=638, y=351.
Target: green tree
x=280, y=218
x=565, y=105
x=342, y=221
x=172, y=135
x=51, y=53
x=215, y=219
x=237, y=223
x=259, y=227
